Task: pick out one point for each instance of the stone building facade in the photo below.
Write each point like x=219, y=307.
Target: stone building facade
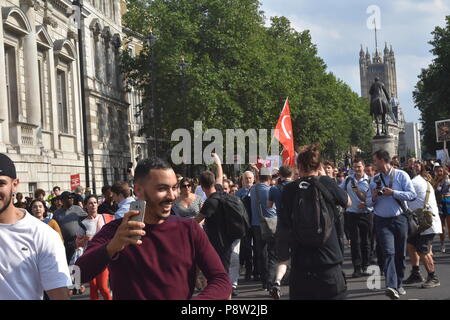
x=41, y=124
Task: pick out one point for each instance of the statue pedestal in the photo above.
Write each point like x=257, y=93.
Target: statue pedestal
x=387, y=143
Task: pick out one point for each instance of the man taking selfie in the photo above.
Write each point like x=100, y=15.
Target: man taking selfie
x=162, y=264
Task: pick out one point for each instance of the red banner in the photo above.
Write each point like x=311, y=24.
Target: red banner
x=74, y=181
x=284, y=134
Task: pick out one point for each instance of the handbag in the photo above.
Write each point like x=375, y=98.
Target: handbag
x=424, y=216
x=268, y=225
x=413, y=221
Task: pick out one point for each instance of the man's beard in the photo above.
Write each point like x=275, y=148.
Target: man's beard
x=8, y=202
x=149, y=203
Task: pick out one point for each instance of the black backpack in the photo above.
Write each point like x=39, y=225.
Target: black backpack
x=312, y=220
x=235, y=217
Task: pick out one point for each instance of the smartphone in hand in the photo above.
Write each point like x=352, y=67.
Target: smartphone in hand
x=138, y=205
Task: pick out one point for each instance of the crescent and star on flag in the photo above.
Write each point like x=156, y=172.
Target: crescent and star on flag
x=283, y=133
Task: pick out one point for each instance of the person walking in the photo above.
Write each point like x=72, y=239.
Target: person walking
x=419, y=246
x=93, y=223
x=441, y=185
x=246, y=257
x=359, y=220
x=39, y=210
x=263, y=249
x=286, y=173
x=316, y=266
x=121, y=194
x=390, y=190
x=108, y=205
x=69, y=219
x=161, y=264
x=188, y=204
x=32, y=258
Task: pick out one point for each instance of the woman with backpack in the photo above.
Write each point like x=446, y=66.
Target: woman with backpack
x=316, y=257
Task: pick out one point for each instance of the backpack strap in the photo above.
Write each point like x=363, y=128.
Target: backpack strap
x=327, y=195
x=427, y=197
x=258, y=203
x=347, y=180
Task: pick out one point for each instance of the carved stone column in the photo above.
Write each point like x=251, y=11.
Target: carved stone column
x=31, y=67
x=4, y=110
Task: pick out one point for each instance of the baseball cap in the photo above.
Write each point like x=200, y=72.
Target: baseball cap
x=7, y=167
x=66, y=194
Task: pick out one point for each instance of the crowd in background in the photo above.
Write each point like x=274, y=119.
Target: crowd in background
x=251, y=256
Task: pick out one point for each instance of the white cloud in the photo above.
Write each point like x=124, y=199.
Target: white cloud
x=339, y=27
x=423, y=7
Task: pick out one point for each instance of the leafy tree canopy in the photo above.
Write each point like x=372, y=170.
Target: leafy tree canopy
x=239, y=72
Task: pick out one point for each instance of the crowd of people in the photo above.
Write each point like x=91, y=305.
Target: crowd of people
x=297, y=223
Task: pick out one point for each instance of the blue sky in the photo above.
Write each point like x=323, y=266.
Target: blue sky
x=339, y=27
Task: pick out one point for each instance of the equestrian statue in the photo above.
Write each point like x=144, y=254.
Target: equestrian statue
x=380, y=106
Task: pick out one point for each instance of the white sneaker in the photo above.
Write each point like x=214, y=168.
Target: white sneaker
x=401, y=291
x=443, y=248
x=392, y=293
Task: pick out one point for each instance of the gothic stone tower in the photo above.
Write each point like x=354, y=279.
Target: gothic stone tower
x=381, y=67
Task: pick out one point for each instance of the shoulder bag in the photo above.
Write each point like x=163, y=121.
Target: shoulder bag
x=413, y=221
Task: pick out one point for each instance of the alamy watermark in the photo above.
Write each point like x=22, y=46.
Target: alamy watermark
x=75, y=275
x=374, y=20
x=234, y=144
x=374, y=280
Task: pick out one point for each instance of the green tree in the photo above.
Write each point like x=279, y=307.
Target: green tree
x=432, y=92
x=240, y=72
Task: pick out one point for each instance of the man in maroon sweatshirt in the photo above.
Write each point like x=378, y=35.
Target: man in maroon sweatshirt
x=162, y=264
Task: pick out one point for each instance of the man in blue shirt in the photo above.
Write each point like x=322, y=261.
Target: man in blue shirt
x=359, y=222
x=264, y=251
x=389, y=188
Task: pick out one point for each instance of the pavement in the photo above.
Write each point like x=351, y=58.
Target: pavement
x=358, y=289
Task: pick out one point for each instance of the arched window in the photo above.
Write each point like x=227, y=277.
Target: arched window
x=16, y=26
x=66, y=83
x=44, y=44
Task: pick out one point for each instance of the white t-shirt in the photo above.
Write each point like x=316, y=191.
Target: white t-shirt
x=32, y=259
x=420, y=185
x=93, y=225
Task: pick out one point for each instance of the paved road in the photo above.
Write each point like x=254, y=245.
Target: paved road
x=357, y=288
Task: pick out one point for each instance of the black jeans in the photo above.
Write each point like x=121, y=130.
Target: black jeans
x=359, y=227
x=266, y=261
x=246, y=254
x=225, y=256
x=326, y=282
x=340, y=229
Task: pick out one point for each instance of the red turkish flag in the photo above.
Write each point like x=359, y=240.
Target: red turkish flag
x=283, y=133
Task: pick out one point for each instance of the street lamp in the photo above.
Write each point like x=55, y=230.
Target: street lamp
x=151, y=40
x=182, y=66
x=80, y=25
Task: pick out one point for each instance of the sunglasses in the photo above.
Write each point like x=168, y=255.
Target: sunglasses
x=185, y=186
